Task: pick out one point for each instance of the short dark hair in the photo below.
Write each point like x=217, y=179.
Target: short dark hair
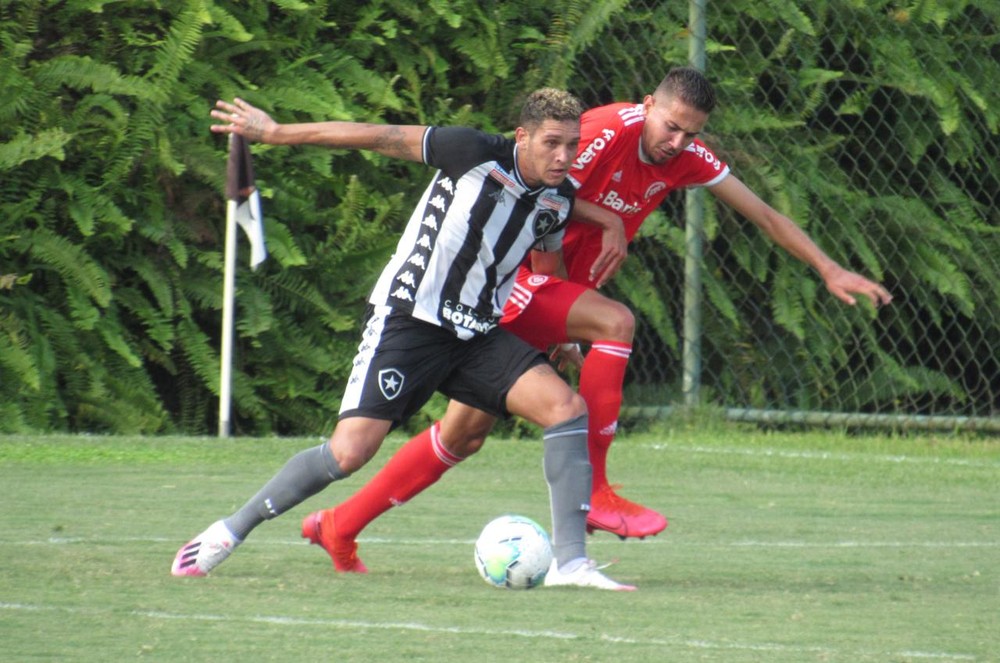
x=690, y=86
x=549, y=104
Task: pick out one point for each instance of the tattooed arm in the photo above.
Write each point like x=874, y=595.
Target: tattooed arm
x=239, y=117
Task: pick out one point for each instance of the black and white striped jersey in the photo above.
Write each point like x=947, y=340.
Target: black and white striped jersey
x=455, y=263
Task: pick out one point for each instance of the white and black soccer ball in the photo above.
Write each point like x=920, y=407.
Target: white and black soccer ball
x=513, y=552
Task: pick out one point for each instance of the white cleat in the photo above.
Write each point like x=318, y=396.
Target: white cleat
x=205, y=552
x=586, y=575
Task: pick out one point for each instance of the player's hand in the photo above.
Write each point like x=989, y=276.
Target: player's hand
x=843, y=284
x=614, y=250
x=566, y=354
x=241, y=118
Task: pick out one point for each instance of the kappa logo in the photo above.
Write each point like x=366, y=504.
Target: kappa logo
x=390, y=382
x=406, y=278
x=402, y=293
x=447, y=184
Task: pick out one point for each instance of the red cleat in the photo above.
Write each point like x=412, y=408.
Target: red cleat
x=613, y=513
x=320, y=529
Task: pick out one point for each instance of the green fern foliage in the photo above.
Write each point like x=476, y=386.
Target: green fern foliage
x=874, y=126
x=112, y=216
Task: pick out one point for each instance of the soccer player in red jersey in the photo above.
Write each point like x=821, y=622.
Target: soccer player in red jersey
x=630, y=157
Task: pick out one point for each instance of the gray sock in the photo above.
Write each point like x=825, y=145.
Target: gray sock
x=304, y=475
x=566, y=463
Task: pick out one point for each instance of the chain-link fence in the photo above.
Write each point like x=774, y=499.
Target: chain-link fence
x=874, y=125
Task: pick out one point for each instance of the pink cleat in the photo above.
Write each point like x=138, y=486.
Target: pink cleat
x=613, y=513
x=320, y=529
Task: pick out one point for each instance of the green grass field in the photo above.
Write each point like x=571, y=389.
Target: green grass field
x=781, y=547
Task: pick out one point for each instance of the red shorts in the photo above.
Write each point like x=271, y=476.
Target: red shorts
x=538, y=308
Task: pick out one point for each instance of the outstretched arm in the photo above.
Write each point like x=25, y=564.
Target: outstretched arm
x=839, y=281
x=239, y=117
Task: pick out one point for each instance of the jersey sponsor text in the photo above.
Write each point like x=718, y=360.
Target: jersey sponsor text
x=461, y=316
x=613, y=200
x=595, y=146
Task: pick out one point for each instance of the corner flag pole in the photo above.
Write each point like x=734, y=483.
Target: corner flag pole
x=243, y=208
x=228, y=295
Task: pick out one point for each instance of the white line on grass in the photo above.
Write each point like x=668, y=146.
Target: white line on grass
x=687, y=643
x=821, y=455
x=63, y=541
x=864, y=544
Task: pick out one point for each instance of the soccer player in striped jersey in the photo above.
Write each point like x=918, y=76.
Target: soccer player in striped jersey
x=631, y=156
x=433, y=320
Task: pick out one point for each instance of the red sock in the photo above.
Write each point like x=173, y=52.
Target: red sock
x=418, y=464
x=601, y=381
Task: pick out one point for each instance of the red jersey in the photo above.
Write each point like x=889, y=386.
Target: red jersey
x=609, y=171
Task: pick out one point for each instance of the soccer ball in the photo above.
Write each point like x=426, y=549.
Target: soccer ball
x=513, y=552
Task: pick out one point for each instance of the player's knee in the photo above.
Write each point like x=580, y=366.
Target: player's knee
x=608, y=321
x=569, y=407
x=619, y=324
x=464, y=446
x=352, y=455
x=464, y=435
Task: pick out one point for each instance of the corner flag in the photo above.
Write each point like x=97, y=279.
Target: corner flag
x=241, y=190
x=242, y=207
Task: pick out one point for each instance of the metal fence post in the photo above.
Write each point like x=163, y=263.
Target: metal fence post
x=694, y=215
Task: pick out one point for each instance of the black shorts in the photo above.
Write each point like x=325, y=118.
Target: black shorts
x=402, y=361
